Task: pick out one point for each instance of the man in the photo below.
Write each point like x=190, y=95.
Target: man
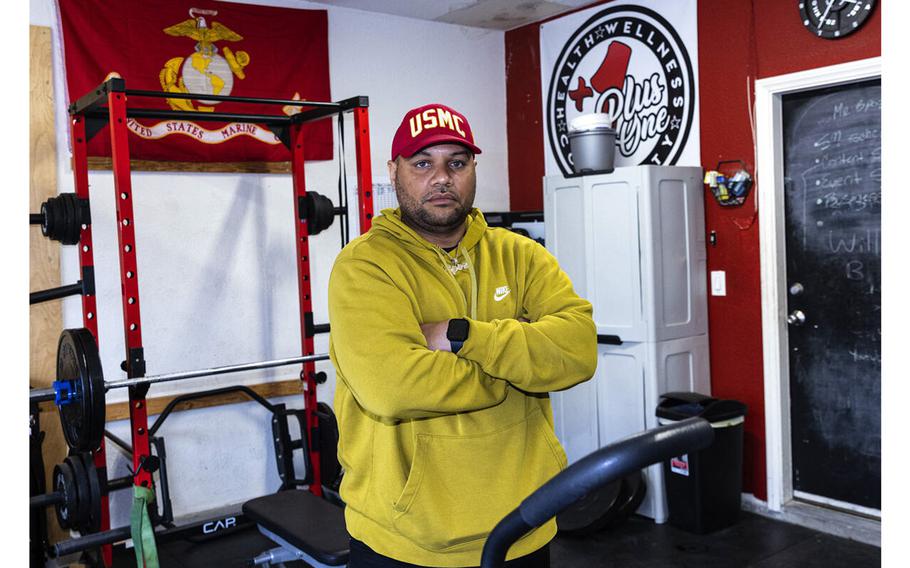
x=447, y=336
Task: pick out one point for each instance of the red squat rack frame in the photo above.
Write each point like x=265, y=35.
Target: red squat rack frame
x=107, y=105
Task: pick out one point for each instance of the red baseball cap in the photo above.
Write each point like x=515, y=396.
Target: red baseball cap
x=430, y=125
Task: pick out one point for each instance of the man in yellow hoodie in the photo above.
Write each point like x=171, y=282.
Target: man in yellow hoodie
x=447, y=336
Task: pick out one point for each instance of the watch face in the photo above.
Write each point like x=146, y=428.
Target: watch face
x=458, y=330
x=832, y=19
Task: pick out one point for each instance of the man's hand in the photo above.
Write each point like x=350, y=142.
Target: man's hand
x=435, y=334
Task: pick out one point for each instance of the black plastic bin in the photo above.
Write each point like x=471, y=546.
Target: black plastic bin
x=704, y=489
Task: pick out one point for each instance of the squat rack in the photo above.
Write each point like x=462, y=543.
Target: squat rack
x=107, y=105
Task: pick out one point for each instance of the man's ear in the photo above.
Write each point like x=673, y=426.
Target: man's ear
x=393, y=171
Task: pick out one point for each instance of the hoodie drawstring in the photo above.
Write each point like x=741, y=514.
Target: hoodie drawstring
x=447, y=262
x=473, y=281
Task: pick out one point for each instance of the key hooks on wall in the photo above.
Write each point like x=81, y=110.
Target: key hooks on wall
x=729, y=185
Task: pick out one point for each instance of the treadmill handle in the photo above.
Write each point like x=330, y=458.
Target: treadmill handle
x=595, y=470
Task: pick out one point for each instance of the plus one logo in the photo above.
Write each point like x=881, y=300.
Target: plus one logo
x=630, y=64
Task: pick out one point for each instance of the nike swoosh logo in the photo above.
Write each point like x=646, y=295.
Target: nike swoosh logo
x=499, y=297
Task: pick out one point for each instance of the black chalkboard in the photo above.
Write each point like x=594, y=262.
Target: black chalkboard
x=832, y=182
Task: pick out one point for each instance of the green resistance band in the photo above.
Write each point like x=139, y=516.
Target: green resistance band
x=141, y=528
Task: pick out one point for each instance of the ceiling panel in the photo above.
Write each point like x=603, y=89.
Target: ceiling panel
x=490, y=14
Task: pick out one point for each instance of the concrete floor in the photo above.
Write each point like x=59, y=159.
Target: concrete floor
x=754, y=541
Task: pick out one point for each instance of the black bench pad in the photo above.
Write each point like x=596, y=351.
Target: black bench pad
x=304, y=520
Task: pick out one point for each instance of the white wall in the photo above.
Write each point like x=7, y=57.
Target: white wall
x=217, y=275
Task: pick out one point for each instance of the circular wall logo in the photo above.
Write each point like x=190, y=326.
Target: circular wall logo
x=627, y=62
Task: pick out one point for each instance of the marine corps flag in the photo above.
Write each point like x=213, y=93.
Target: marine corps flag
x=204, y=47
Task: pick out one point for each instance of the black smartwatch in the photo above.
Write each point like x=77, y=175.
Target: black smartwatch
x=457, y=333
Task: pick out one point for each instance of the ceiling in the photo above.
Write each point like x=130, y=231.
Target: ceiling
x=490, y=14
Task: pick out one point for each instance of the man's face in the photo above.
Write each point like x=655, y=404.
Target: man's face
x=435, y=187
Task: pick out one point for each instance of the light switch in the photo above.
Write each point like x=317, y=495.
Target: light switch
x=718, y=283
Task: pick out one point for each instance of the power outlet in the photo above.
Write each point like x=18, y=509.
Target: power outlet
x=718, y=283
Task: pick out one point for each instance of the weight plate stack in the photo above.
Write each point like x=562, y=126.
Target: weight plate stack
x=82, y=418
x=631, y=494
x=65, y=484
x=82, y=490
x=63, y=218
x=330, y=470
x=320, y=213
x=585, y=515
x=93, y=522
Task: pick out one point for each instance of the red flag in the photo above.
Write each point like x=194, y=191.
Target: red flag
x=205, y=47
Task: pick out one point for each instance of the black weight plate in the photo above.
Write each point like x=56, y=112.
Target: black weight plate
x=82, y=419
x=95, y=382
x=55, y=218
x=320, y=212
x=70, y=233
x=94, y=484
x=582, y=516
x=329, y=466
x=630, y=498
x=47, y=212
x=82, y=515
x=65, y=484
x=71, y=367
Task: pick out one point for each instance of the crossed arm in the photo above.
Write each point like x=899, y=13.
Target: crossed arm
x=400, y=368
x=554, y=349
x=383, y=357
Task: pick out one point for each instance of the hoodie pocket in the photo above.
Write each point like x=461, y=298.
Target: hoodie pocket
x=459, y=487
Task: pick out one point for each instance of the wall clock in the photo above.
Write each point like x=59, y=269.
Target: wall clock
x=832, y=19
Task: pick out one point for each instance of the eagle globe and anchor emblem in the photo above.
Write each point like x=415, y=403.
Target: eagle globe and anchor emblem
x=203, y=72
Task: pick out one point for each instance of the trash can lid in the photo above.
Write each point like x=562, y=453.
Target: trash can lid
x=682, y=405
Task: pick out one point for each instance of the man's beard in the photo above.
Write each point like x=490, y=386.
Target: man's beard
x=445, y=221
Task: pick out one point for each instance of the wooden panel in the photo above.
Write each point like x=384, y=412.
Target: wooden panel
x=45, y=319
x=229, y=167
x=120, y=410
x=44, y=254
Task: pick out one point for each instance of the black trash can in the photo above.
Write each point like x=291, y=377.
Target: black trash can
x=704, y=489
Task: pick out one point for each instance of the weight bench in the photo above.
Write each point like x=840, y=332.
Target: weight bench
x=312, y=529
x=307, y=528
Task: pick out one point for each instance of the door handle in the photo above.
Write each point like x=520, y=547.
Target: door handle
x=796, y=318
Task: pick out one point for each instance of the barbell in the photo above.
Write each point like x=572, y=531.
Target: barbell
x=62, y=217
x=80, y=388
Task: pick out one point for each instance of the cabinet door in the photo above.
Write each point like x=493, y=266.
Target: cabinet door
x=566, y=234
x=616, y=257
x=575, y=415
x=620, y=390
x=673, y=252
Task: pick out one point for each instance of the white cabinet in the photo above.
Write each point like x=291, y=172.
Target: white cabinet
x=632, y=242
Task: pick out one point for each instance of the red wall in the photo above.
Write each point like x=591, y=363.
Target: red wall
x=739, y=41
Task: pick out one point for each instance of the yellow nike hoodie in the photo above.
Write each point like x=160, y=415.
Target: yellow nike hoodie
x=438, y=447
